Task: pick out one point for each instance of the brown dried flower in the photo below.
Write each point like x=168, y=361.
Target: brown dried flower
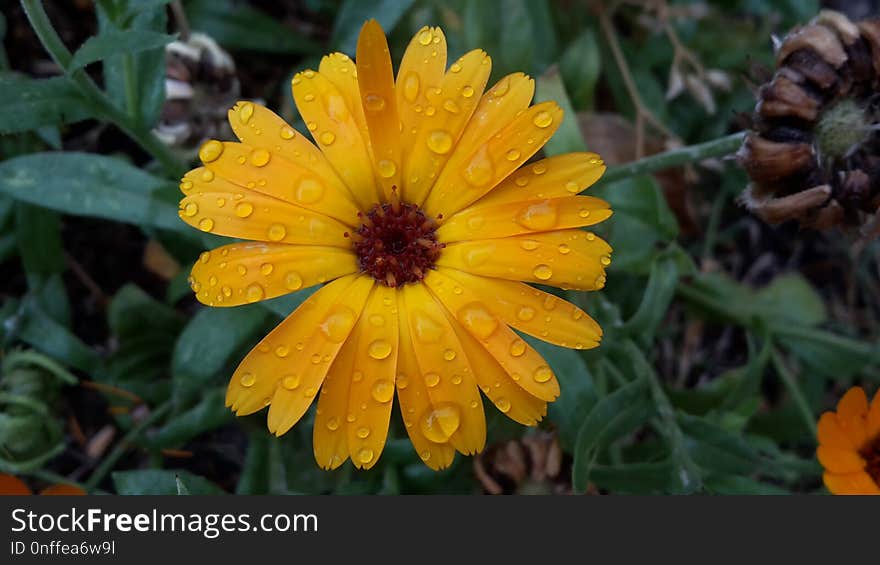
x=813, y=153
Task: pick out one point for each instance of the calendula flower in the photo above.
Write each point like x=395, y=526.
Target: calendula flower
x=814, y=153
x=849, y=444
x=12, y=485
x=416, y=211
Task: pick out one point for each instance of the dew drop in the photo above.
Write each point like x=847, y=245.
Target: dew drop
x=512, y=155
x=338, y=323
x=248, y=380
x=244, y=209
x=564, y=249
x=425, y=37
x=529, y=244
x=455, y=68
x=572, y=187
x=242, y=270
x=327, y=138
x=386, y=168
x=379, y=349
x=206, y=224
x=254, y=293
x=365, y=455
x=211, y=151
x=411, y=87
x=276, y=232
x=309, y=191
x=605, y=260
x=287, y=132
x=539, y=168
x=517, y=348
x=449, y=354
x=542, y=119
x=191, y=209
x=450, y=106
x=426, y=328
x=478, y=320
x=382, y=391
x=542, y=374
x=525, y=313
x=476, y=255
x=290, y=382
x=373, y=103
x=432, y=379
x=584, y=213
x=439, y=423
x=439, y=142
x=260, y=157
x=539, y=216
x=479, y=170
x=467, y=91
x=333, y=424
x=503, y=404
x=542, y=272
x=245, y=112
x=207, y=175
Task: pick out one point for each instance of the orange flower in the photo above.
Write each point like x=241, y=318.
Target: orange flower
x=414, y=209
x=849, y=444
x=10, y=485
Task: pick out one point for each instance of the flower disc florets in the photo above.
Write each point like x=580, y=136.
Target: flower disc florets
x=396, y=243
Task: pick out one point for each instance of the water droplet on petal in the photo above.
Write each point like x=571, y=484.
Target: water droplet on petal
x=426, y=328
x=503, y=404
x=248, y=380
x=309, y=191
x=333, y=424
x=293, y=281
x=529, y=244
x=478, y=320
x=439, y=142
x=411, y=87
x=517, y=347
x=476, y=255
x=327, y=138
x=467, y=91
x=479, y=171
x=439, y=423
x=276, y=232
x=363, y=432
x=425, y=37
x=245, y=112
x=539, y=216
x=383, y=390
x=584, y=213
x=338, y=323
x=190, y=209
x=254, y=293
x=449, y=354
x=512, y=155
x=450, y=106
x=365, y=455
x=525, y=313
x=542, y=374
x=572, y=187
x=455, y=68
x=260, y=157
x=605, y=260
x=386, y=168
x=542, y=119
x=206, y=224
x=244, y=209
x=290, y=382
x=542, y=272
x=379, y=349
x=373, y=103
x=432, y=379
x=564, y=249
x=287, y=132
x=211, y=151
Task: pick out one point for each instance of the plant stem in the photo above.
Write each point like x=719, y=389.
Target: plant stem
x=690, y=154
x=110, y=461
x=131, y=95
x=62, y=57
x=794, y=390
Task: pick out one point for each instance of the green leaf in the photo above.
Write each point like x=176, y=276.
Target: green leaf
x=112, y=42
x=567, y=138
x=29, y=103
x=716, y=449
x=610, y=417
x=156, y=481
x=210, y=413
x=209, y=341
x=133, y=312
x=354, y=13
x=733, y=484
x=36, y=328
x=789, y=298
x=516, y=35
x=634, y=478
x=254, y=477
x=580, y=66
x=236, y=25
x=181, y=488
x=89, y=185
x=656, y=299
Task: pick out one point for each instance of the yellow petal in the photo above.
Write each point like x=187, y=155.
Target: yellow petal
x=852, y=412
x=456, y=410
x=412, y=392
x=263, y=369
x=376, y=83
x=329, y=439
x=854, y=483
x=421, y=69
x=840, y=461
x=340, y=70
x=337, y=133
x=445, y=115
x=476, y=169
x=873, y=421
x=309, y=367
x=566, y=258
x=516, y=218
x=218, y=206
x=242, y=273
x=524, y=365
x=257, y=126
x=535, y=312
x=505, y=394
x=372, y=382
x=265, y=171
x=830, y=433
x=554, y=177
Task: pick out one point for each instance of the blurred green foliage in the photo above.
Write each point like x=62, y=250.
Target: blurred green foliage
x=625, y=423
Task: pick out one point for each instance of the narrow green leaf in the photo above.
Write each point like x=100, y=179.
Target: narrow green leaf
x=656, y=299
x=567, y=138
x=181, y=488
x=156, y=481
x=112, y=42
x=210, y=413
x=89, y=185
x=580, y=67
x=29, y=103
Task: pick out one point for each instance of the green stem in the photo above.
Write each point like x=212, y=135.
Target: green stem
x=131, y=100
x=794, y=390
x=110, y=461
x=690, y=154
x=61, y=55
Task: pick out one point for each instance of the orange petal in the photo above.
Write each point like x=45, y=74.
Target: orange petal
x=873, y=421
x=855, y=483
x=372, y=382
x=474, y=170
x=832, y=435
x=535, y=312
x=10, y=485
x=852, y=413
x=329, y=439
x=555, y=177
x=456, y=412
x=340, y=70
x=517, y=218
x=565, y=258
x=412, y=392
x=524, y=365
x=376, y=84
x=63, y=490
x=243, y=273
x=421, y=69
x=446, y=117
x=840, y=461
x=218, y=206
x=337, y=133
x=306, y=372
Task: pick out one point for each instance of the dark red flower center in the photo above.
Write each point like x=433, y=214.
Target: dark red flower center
x=871, y=454
x=396, y=243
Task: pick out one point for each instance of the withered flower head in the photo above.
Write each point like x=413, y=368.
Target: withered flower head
x=813, y=153
x=200, y=86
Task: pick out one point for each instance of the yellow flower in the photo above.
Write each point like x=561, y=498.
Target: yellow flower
x=414, y=211
x=849, y=444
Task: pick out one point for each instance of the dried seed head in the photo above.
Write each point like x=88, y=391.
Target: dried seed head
x=814, y=151
x=200, y=86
